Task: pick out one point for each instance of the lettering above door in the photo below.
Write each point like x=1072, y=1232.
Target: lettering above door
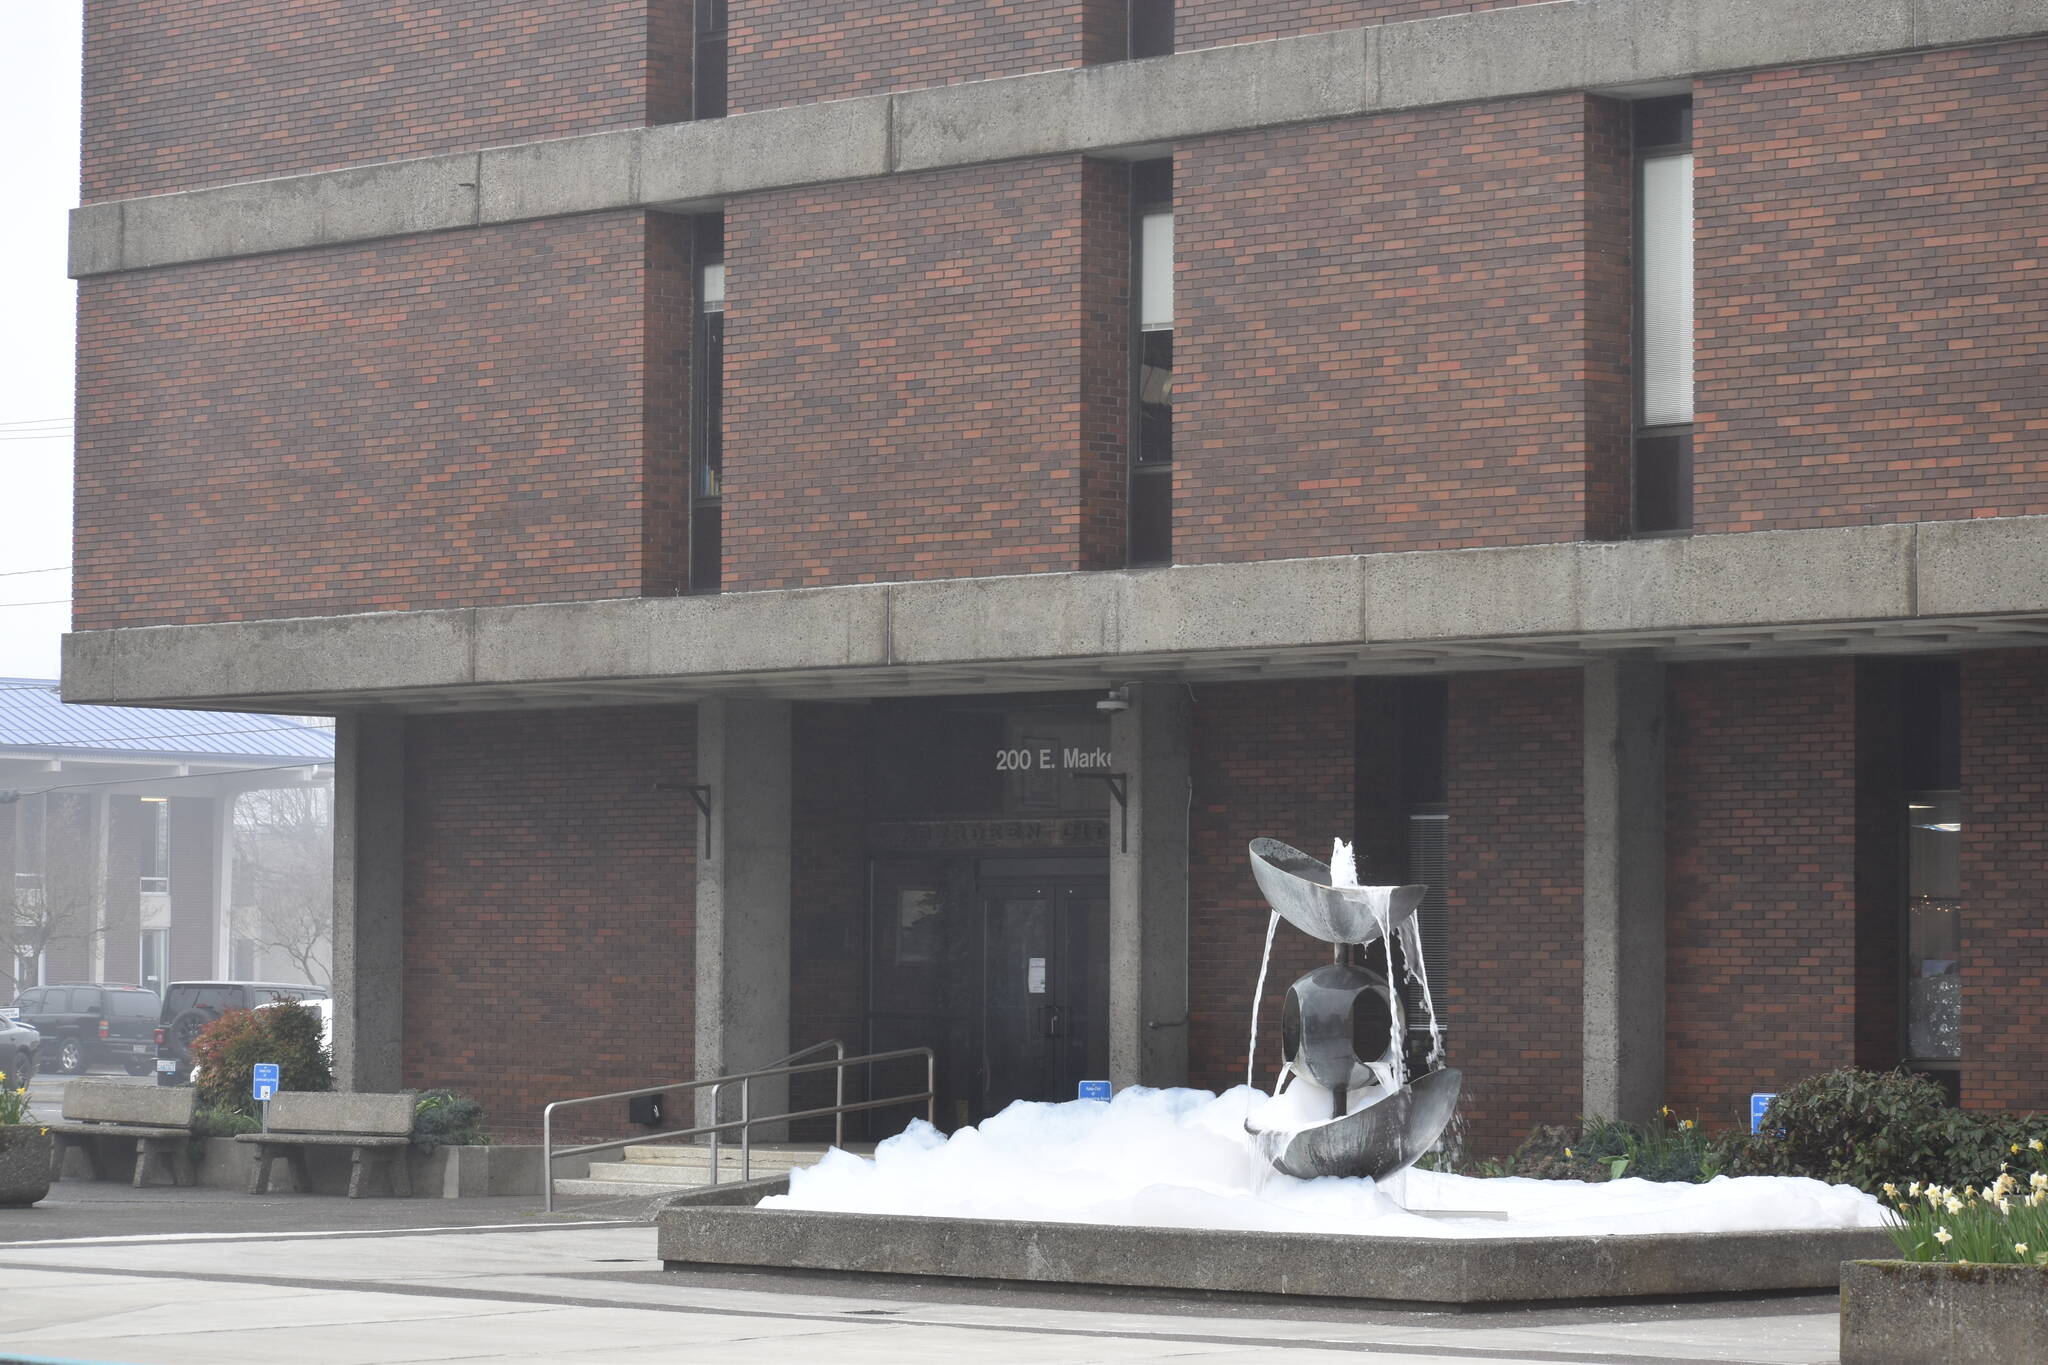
x=921, y=835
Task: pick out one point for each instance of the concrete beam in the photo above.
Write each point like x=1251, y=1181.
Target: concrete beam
x=1148, y=890
x=369, y=902
x=743, y=902
x=1623, y=1013
x=1117, y=109
x=1755, y=594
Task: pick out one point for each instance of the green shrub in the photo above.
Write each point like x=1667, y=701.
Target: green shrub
x=442, y=1118
x=228, y=1049
x=1608, y=1149
x=208, y=1123
x=1870, y=1128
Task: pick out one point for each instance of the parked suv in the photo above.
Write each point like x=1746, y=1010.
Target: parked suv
x=189, y=1006
x=92, y=1025
x=18, y=1044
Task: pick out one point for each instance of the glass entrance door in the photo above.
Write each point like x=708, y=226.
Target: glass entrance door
x=1045, y=989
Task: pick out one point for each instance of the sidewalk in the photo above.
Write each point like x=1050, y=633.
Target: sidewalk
x=173, y=1276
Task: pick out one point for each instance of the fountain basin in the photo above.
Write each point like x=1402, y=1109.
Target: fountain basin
x=1389, y=1136
x=1381, y=1270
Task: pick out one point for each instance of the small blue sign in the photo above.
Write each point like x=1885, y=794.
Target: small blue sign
x=1758, y=1103
x=1095, y=1090
x=263, y=1080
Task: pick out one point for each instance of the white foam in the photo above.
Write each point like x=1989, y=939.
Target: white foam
x=1177, y=1158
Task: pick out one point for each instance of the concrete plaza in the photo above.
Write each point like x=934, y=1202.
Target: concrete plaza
x=104, y=1273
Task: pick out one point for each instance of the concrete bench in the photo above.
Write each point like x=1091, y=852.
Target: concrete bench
x=377, y=1130
x=158, y=1119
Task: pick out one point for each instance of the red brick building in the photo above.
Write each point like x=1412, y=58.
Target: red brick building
x=717, y=459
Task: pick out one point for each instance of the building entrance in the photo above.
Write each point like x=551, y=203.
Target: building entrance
x=1045, y=988
x=987, y=837
x=1002, y=965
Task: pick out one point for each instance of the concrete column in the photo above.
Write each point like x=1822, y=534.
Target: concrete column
x=193, y=845
x=369, y=902
x=1148, y=890
x=10, y=823
x=743, y=922
x=74, y=882
x=1624, y=890
x=122, y=961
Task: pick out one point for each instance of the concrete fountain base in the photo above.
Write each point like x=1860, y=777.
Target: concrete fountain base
x=1485, y=1270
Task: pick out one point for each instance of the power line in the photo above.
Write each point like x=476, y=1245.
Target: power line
x=37, y=422
x=152, y=781
x=18, y=573
x=46, y=602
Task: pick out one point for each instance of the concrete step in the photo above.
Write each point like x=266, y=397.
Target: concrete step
x=681, y=1177
x=778, y=1158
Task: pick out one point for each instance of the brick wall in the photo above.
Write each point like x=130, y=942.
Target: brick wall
x=782, y=53
x=1272, y=760
x=1872, y=300
x=1760, y=845
x=550, y=907
x=461, y=419
x=1384, y=341
x=1514, y=860
x=915, y=382
x=2005, y=871
x=1206, y=23
x=183, y=93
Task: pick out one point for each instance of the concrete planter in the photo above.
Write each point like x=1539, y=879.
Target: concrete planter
x=25, y=1152
x=1409, y=1270
x=1912, y=1312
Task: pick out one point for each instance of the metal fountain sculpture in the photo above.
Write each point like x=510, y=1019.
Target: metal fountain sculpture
x=1321, y=1022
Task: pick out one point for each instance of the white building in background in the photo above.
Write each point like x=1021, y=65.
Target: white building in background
x=119, y=831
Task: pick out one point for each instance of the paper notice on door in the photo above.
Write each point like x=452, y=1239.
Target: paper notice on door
x=1034, y=975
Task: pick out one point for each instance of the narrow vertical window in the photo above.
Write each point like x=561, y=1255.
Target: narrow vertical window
x=1932, y=713
x=1664, y=316
x=1151, y=492
x=707, y=73
x=707, y=409
x=1151, y=28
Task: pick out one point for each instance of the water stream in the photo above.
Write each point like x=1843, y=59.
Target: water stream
x=1251, y=1054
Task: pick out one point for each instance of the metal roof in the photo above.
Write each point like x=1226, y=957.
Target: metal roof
x=34, y=717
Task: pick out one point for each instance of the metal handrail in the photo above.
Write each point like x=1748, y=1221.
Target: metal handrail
x=747, y=1119
x=838, y=1097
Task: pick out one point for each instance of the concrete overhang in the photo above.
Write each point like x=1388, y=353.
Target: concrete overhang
x=1120, y=109
x=1905, y=588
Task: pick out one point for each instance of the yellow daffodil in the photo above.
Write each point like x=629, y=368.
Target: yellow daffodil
x=1943, y=1236
x=2015, y=1149
x=1667, y=1111
x=1891, y=1191
x=1567, y=1151
x=2019, y=1248
x=1685, y=1123
x=2034, y=1145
